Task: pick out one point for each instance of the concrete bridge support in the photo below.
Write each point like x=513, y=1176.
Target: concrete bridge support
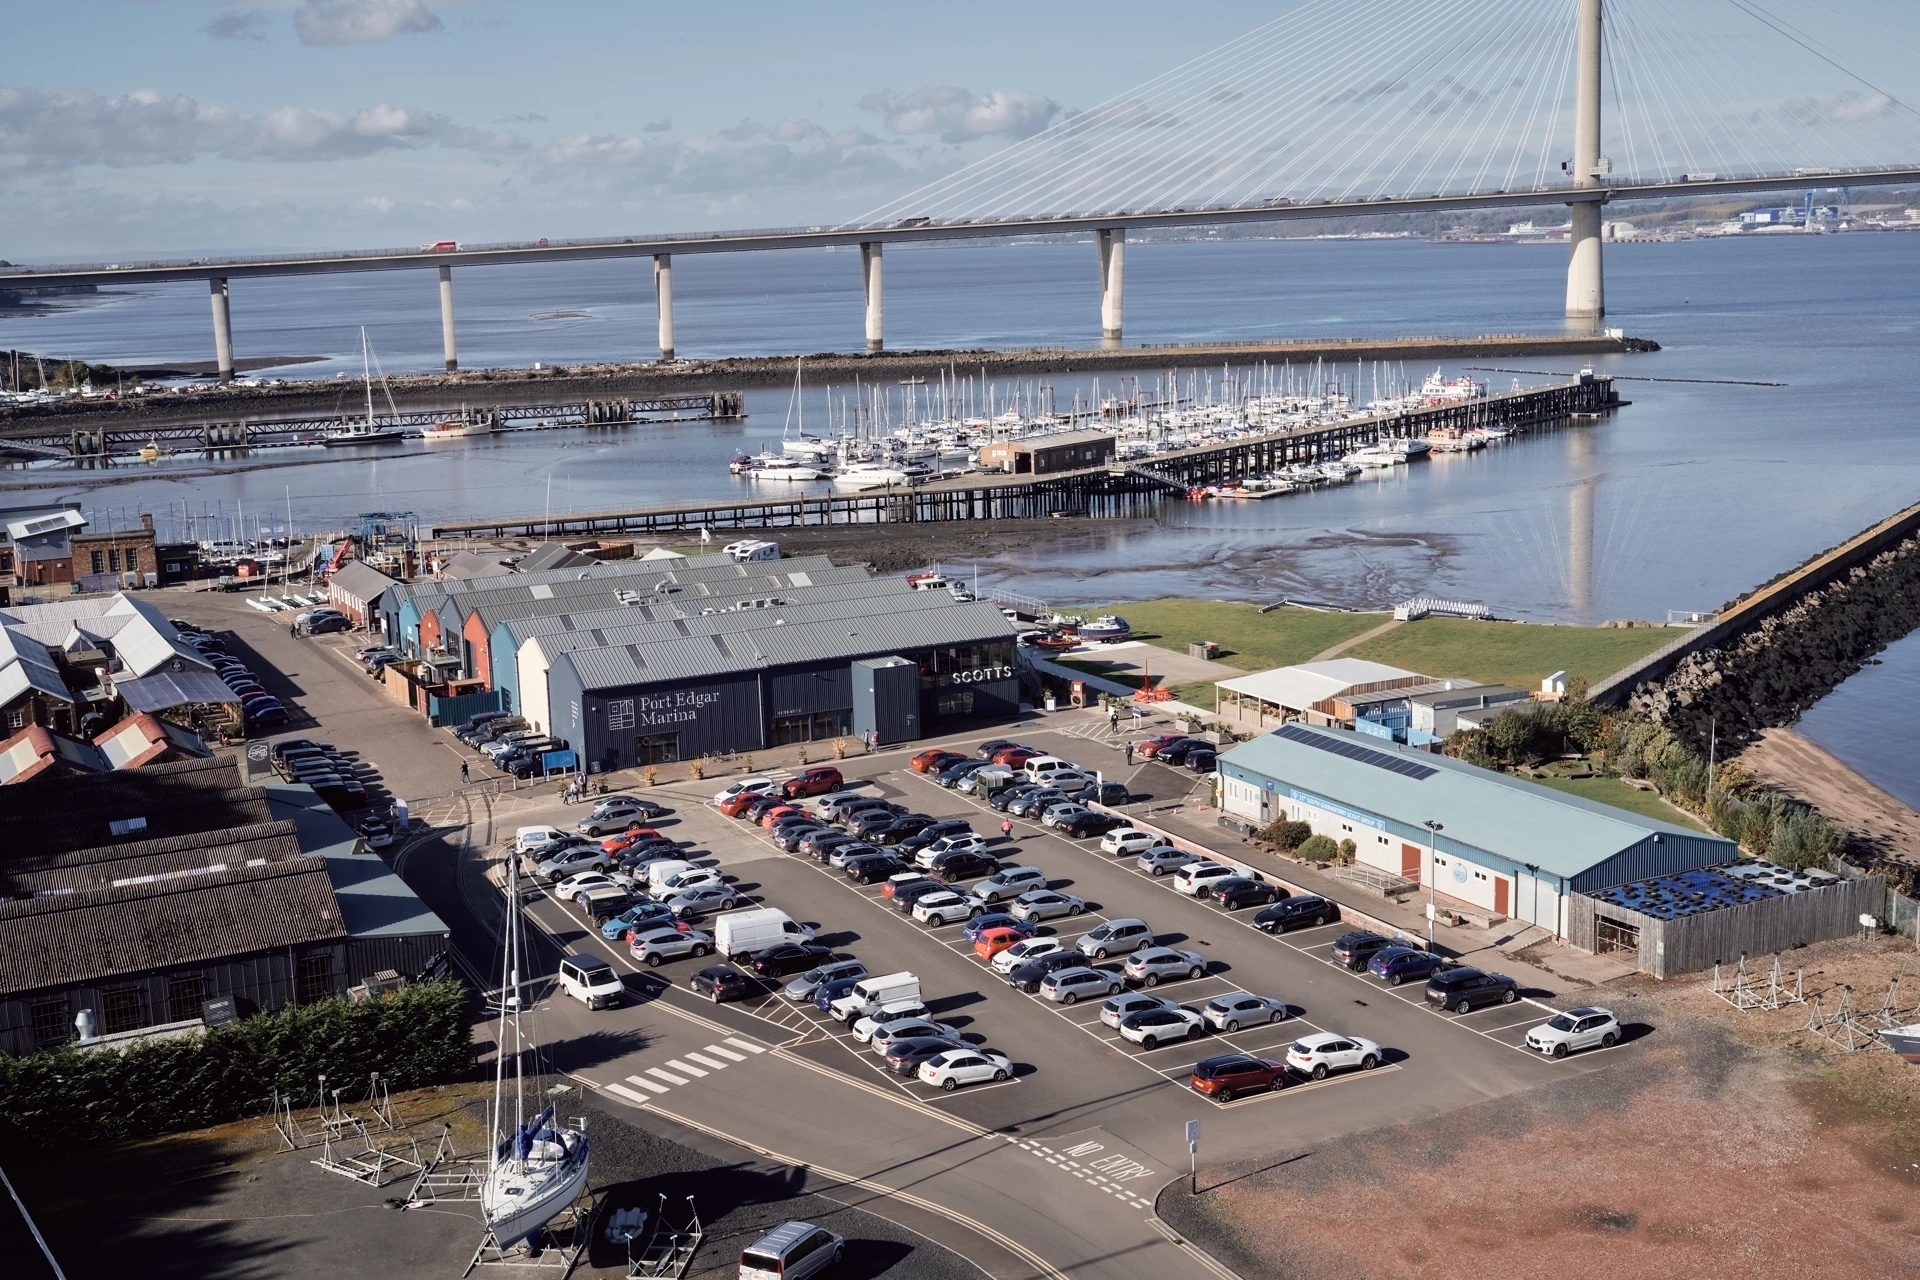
x=1113, y=270
x=1586, y=287
x=663, y=301
x=222, y=329
x=870, y=276
x=446, y=318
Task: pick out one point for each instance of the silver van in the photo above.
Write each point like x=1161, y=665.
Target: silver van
x=790, y=1251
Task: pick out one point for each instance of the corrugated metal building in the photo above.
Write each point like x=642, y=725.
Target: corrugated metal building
x=1502, y=844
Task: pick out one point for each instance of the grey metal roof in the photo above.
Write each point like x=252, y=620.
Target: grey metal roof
x=553, y=555
x=1509, y=817
x=166, y=689
x=728, y=580
x=610, y=569
x=776, y=645
x=361, y=581
x=805, y=603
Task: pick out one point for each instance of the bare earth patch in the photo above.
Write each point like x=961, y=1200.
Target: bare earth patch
x=1715, y=1144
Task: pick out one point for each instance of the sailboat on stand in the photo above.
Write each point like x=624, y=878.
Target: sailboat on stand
x=537, y=1168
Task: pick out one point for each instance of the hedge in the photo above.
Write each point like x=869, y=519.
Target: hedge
x=419, y=1035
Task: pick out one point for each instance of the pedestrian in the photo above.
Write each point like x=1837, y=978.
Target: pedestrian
x=1113, y=717
x=465, y=776
x=1129, y=755
x=1006, y=828
x=293, y=629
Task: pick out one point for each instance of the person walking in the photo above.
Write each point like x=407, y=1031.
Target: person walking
x=465, y=775
x=1129, y=755
x=1113, y=718
x=1006, y=828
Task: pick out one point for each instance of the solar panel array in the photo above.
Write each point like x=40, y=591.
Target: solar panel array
x=1354, y=751
x=1687, y=893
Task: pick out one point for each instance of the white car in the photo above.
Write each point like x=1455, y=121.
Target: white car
x=1128, y=1003
x=883, y=1037
x=575, y=885
x=758, y=786
x=900, y=1011
x=1067, y=986
x=1195, y=876
x=967, y=841
x=942, y=908
x=956, y=1067
x=692, y=878
x=1128, y=841
x=1239, y=1009
x=1151, y=1028
x=1327, y=1051
x=1588, y=1027
x=528, y=838
x=655, y=945
x=1021, y=952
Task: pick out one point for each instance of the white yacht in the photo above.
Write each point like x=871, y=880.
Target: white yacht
x=769, y=466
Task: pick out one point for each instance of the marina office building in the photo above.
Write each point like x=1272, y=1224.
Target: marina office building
x=1476, y=836
x=640, y=663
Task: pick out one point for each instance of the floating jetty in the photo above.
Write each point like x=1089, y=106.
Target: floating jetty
x=1118, y=488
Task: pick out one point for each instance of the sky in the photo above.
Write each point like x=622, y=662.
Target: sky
x=164, y=127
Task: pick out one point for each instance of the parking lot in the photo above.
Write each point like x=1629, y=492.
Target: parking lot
x=1066, y=1060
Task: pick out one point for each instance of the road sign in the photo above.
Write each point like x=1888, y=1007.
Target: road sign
x=553, y=761
x=1193, y=1132
x=1193, y=1157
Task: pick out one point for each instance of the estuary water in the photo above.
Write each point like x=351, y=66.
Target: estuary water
x=1681, y=501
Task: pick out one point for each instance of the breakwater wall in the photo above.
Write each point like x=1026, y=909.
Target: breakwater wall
x=1773, y=654
x=484, y=387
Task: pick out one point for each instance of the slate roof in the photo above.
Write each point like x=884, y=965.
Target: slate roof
x=99, y=868
x=361, y=581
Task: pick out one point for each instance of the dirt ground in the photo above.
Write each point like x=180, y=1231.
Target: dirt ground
x=1801, y=769
x=1719, y=1144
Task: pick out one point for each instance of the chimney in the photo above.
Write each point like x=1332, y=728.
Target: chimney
x=146, y=521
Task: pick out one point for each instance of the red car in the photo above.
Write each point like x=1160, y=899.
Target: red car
x=1230, y=1074
x=1153, y=746
x=1015, y=757
x=934, y=760
x=777, y=812
x=813, y=782
x=736, y=804
x=631, y=836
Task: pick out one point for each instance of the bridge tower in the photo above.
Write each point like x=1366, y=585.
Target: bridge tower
x=1586, y=287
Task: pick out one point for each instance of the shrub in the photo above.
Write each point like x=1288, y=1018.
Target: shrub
x=1284, y=835
x=839, y=748
x=698, y=769
x=417, y=1036
x=1319, y=849
x=1803, y=839
x=1348, y=852
x=653, y=776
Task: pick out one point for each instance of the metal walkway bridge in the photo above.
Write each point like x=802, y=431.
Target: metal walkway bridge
x=1340, y=108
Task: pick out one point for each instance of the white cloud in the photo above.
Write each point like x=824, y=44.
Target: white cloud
x=238, y=24
x=42, y=132
x=337, y=22
x=960, y=116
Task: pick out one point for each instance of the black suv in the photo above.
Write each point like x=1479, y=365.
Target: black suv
x=1305, y=908
x=722, y=982
x=1465, y=989
x=1236, y=892
x=927, y=835
x=1355, y=949
x=1026, y=977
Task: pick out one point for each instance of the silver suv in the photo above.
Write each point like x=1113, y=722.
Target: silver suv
x=791, y=1251
x=1116, y=938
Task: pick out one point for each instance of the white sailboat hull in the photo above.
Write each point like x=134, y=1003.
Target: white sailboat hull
x=517, y=1204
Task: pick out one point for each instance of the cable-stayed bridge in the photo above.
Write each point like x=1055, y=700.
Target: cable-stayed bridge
x=1340, y=108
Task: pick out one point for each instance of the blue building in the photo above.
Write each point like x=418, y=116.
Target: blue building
x=1480, y=837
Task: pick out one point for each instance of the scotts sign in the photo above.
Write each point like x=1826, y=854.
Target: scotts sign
x=979, y=675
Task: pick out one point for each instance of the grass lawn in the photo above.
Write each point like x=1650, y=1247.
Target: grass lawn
x=1195, y=693
x=1248, y=639
x=1621, y=796
x=1510, y=653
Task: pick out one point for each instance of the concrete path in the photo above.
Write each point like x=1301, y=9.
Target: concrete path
x=1364, y=636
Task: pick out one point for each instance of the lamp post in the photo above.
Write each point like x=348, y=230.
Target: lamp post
x=1433, y=852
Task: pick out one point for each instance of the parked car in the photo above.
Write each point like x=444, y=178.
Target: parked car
x=1009, y=882
x=1088, y=823
x=964, y=864
x=1301, y=909
x=636, y=918
x=1202, y=760
x=827, y=992
x=848, y=814
x=989, y=943
x=958, y=842
x=816, y=781
x=1151, y=747
x=821, y=847
x=934, y=760
x=911, y=1028
x=1128, y=1003
x=956, y=1067
x=792, y=1251
x=953, y=773
x=1021, y=952
x=327, y=626
x=1464, y=989
x=1002, y=801
x=666, y=884
x=1153, y=1027
x=654, y=945
x=873, y=868
x=1232, y=1075
x=1057, y=816
x=1355, y=949
x=1070, y=985
x=1395, y=965
x=985, y=920
x=1027, y=975
x=994, y=746
x=1044, y=904
x=790, y=958
x=565, y=862
x=937, y=909
x=1150, y=966
x=1162, y=858
x=734, y=803
x=1115, y=938
x=841, y=854
x=1196, y=876
x=903, y=828
x=1034, y=802
x=1125, y=842
x=1239, y=1009
x=938, y=831
x=904, y=1057
x=803, y=988
x=1588, y=1027
x=723, y=982
x=790, y=835
x=1324, y=1052
x=906, y=896
x=1236, y=892
x=1107, y=793
x=1175, y=753
x=703, y=901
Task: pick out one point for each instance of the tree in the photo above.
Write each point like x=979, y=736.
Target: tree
x=1348, y=851
x=1319, y=849
x=1285, y=835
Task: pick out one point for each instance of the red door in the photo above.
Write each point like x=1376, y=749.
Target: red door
x=1500, y=887
x=1410, y=862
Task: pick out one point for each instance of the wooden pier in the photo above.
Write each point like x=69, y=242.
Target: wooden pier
x=268, y=433
x=1119, y=489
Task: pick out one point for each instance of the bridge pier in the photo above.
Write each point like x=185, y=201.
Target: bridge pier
x=1113, y=264
x=870, y=278
x=1586, y=287
x=222, y=329
x=663, y=301
x=446, y=318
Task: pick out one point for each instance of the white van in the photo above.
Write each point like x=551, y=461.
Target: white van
x=592, y=981
x=869, y=994
x=658, y=873
x=533, y=837
x=740, y=935
x=1041, y=769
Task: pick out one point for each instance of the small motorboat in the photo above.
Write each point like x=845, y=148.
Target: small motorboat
x=1108, y=626
x=1904, y=1041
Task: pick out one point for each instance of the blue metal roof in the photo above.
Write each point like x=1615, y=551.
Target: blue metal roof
x=1510, y=818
